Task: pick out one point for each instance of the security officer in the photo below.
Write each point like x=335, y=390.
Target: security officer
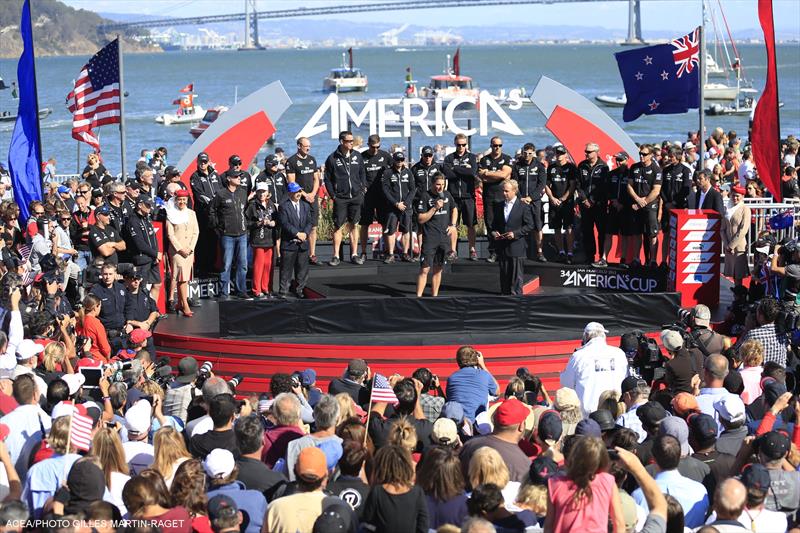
x=461, y=170
x=346, y=183
x=423, y=171
x=140, y=310
x=493, y=169
x=104, y=240
x=644, y=187
x=235, y=169
x=618, y=206
x=562, y=177
x=275, y=178
x=531, y=176
x=399, y=190
x=374, y=207
x=592, y=177
x=302, y=168
x=143, y=245
x=205, y=184
x=676, y=183
x=112, y=309
x=437, y=217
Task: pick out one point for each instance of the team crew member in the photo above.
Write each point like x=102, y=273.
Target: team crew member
x=424, y=171
x=644, y=187
x=375, y=161
x=592, y=178
x=226, y=215
x=676, y=184
x=531, y=177
x=116, y=199
x=104, y=240
x=274, y=177
x=205, y=184
x=399, y=191
x=437, y=219
x=146, y=186
x=618, y=207
x=302, y=168
x=346, y=182
x=562, y=176
x=143, y=245
x=493, y=169
x=461, y=170
x=511, y=223
x=235, y=169
x=294, y=218
x=112, y=309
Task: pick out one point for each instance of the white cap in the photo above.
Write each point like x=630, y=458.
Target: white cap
x=74, y=382
x=262, y=186
x=594, y=327
x=688, y=145
x=7, y=365
x=730, y=408
x=27, y=349
x=137, y=418
x=219, y=463
x=671, y=340
x=63, y=409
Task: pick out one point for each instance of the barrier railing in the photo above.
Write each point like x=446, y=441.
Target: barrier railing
x=761, y=211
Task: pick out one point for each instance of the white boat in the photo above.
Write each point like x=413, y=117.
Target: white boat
x=208, y=119
x=345, y=78
x=611, y=101
x=449, y=85
x=187, y=113
x=744, y=106
x=713, y=70
x=514, y=98
x=720, y=91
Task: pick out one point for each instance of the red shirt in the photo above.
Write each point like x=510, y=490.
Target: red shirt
x=94, y=329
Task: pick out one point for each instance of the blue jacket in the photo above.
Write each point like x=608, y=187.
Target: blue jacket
x=251, y=503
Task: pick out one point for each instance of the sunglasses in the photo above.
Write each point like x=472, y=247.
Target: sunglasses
x=497, y=146
x=84, y=191
x=66, y=219
x=347, y=141
x=461, y=145
x=644, y=153
x=38, y=212
x=589, y=151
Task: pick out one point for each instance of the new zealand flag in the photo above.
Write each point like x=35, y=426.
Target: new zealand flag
x=661, y=79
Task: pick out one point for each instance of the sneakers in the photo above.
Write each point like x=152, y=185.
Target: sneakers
x=473, y=255
x=389, y=259
x=492, y=258
x=600, y=264
x=357, y=260
x=541, y=258
x=334, y=261
x=407, y=258
x=312, y=260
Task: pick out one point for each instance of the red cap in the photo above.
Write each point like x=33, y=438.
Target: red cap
x=738, y=189
x=181, y=193
x=138, y=336
x=510, y=412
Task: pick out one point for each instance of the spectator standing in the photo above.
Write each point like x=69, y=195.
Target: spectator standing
x=752, y=354
x=774, y=343
x=182, y=233
x=252, y=471
x=220, y=466
x=395, y=504
x=715, y=369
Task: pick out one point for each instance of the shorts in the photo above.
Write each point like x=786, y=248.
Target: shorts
x=538, y=219
x=466, y=211
x=395, y=218
x=151, y=273
x=627, y=222
x=647, y=221
x=373, y=208
x=563, y=216
x=434, y=253
x=314, y=212
x=612, y=220
x=346, y=210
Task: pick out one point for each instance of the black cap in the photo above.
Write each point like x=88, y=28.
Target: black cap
x=202, y=157
x=133, y=184
x=542, y=468
x=702, y=427
x=427, y=150
x=560, y=150
x=234, y=160
x=604, y=419
x=144, y=199
x=550, y=426
x=133, y=272
x=221, y=506
x=398, y=156
x=756, y=476
x=629, y=342
x=103, y=210
x=651, y=413
x=171, y=171
x=630, y=383
x=774, y=445
x=621, y=156
x=271, y=160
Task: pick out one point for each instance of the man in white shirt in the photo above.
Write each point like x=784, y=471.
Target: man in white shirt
x=138, y=452
x=28, y=423
x=27, y=359
x=594, y=368
x=747, y=170
x=635, y=392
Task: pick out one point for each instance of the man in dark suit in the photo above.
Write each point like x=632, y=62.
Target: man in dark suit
x=706, y=196
x=511, y=223
x=295, y=220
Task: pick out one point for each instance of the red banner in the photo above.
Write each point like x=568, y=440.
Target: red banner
x=189, y=88
x=766, y=124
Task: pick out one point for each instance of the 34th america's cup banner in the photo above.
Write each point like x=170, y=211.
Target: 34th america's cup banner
x=694, y=250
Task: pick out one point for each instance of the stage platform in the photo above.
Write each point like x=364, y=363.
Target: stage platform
x=370, y=311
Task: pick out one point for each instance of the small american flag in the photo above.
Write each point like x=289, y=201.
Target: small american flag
x=27, y=275
x=80, y=433
x=95, y=99
x=382, y=392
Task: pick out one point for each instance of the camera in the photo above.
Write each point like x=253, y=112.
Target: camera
x=788, y=250
x=235, y=381
x=203, y=374
x=685, y=317
x=647, y=363
x=118, y=366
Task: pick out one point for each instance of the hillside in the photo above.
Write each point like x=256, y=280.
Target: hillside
x=57, y=30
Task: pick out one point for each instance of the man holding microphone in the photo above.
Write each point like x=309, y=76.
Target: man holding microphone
x=437, y=220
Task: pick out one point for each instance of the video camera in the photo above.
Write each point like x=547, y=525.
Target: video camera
x=203, y=374
x=788, y=250
x=647, y=362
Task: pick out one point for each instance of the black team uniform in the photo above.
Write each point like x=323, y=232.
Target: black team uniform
x=591, y=186
x=531, y=178
x=461, y=173
x=559, y=179
x=205, y=185
x=436, y=242
x=643, y=179
x=374, y=207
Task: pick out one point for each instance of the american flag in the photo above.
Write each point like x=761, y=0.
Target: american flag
x=687, y=52
x=28, y=276
x=382, y=392
x=80, y=431
x=95, y=99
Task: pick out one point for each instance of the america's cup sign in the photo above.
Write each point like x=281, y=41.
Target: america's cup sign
x=432, y=118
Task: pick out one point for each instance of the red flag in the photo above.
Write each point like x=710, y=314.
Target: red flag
x=177, y=101
x=766, y=124
x=189, y=88
x=457, y=62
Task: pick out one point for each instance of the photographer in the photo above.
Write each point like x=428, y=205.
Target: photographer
x=472, y=383
x=775, y=343
x=182, y=390
x=705, y=341
x=431, y=405
x=682, y=365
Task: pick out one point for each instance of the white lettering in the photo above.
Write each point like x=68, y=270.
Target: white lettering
x=410, y=118
x=382, y=103
x=346, y=112
x=506, y=125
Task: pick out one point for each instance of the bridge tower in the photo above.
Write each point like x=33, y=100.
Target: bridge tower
x=634, y=23
x=251, y=26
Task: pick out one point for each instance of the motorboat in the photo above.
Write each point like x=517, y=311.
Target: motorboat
x=514, y=98
x=720, y=91
x=346, y=78
x=210, y=116
x=713, y=70
x=611, y=101
x=449, y=85
x=187, y=111
x=744, y=106
x=11, y=116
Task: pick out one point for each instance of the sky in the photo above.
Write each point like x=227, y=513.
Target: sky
x=657, y=15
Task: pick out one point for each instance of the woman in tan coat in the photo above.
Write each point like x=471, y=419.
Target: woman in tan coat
x=182, y=232
x=735, y=228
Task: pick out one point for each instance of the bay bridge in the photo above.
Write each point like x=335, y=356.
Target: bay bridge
x=251, y=15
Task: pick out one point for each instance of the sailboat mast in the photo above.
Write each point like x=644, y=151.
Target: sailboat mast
x=702, y=77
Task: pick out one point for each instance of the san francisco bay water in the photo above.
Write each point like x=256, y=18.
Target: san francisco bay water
x=153, y=81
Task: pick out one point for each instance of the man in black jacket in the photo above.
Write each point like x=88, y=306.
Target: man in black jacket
x=676, y=183
x=205, y=185
x=511, y=223
x=374, y=206
x=592, y=178
x=294, y=218
x=644, y=188
x=531, y=176
x=143, y=245
x=346, y=182
x=424, y=172
x=706, y=197
x=492, y=170
x=461, y=170
x=226, y=216
x=235, y=169
x=399, y=190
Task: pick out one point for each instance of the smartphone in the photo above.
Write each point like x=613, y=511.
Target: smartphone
x=112, y=425
x=92, y=376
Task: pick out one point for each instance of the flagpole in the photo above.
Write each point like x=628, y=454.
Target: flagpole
x=36, y=101
x=369, y=409
x=701, y=136
x=121, y=109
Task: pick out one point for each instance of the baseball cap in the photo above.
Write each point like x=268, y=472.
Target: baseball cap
x=74, y=382
x=187, y=370
x=589, y=428
x=138, y=336
x=684, y=404
x=308, y=377
x=756, y=476
x=604, y=418
x=171, y=171
x=103, y=210
x=86, y=481
x=688, y=145
x=63, y=189
x=262, y=186
x=334, y=519
x=542, y=468
x=594, y=327
x=730, y=408
x=630, y=383
x=137, y=418
x=511, y=412
x=144, y=199
x=703, y=428
x=702, y=315
x=427, y=150
x=651, y=413
x=774, y=445
x=132, y=272
x=566, y=398
x=27, y=349
x=445, y=432
x=221, y=506
x=234, y=160
x=671, y=340
x=63, y=408
x=271, y=160
x=133, y=184
x=550, y=427
x=398, y=156
x=202, y=157
x=357, y=367
x=294, y=187
x=675, y=426
x=621, y=156
x=219, y=463
x=560, y=150
x=311, y=464
x=793, y=271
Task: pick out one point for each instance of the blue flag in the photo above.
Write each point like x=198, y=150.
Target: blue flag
x=25, y=151
x=661, y=79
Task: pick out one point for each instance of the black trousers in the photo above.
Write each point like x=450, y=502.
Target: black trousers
x=510, y=274
x=488, y=219
x=592, y=217
x=294, y=263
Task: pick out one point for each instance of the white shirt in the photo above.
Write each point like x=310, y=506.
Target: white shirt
x=201, y=425
x=764, y=520
x=26, y=423
x=746, y=172
x=702, y=198
x=508, y=207
x=139, y=455
x=594, y=368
